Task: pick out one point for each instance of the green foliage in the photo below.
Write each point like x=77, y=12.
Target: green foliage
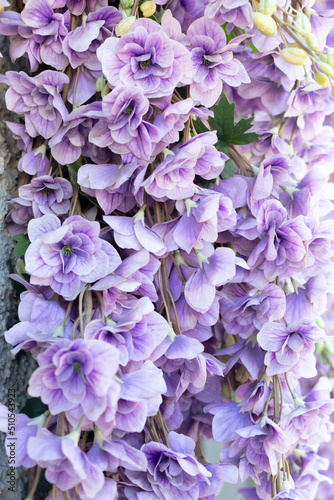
x=34, y=407
x=21, y=245
x=228, y=132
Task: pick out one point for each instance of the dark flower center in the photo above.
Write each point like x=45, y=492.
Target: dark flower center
x=145, y=64
x=129, y=110
x=46, y=191
x=206, y=62
x=77, y=366
x=67, y=250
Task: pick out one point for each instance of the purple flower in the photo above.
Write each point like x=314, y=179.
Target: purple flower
x=41, y=323
x=71, y=140
x=80, y=45
x=290, y=346
x=20, y=427
x=237, y=12
x=125, y=128
x=174, y=472
x=244, y=309
x=262, y=447
x=47, y=195
x=48, y=31
x=66, y=257
x=307, y=422
x=132, y=232
x=174, y=178
x=109, y=455
x=135, y=334
x=65, y=463
x=140, y=397
x=38, y=99
x=19, y=214
x=37, y=33
x=283, y=241
x=75, y=374
x=227, y=420
x=213, y=61
x=213, y=271
x=146, y=58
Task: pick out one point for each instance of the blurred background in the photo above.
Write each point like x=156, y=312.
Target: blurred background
x=211, y=451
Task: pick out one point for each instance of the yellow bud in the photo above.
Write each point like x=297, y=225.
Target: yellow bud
x=123, y=26
x=302, y=22
x=326, y=68
x=319, y=347
x=242, y=375
x=229, y=340
x=20, y=269
x=330, y=56
x=226, y=391
x=267, y=7
x=321, y=79
x=105, y=90
x=148, y=8
x=311, y=41
x=265, y=24
x=294, y=55
x=2, y=7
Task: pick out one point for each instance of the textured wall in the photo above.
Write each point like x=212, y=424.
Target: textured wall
x=14, y=372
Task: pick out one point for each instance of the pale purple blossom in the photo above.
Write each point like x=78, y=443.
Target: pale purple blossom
x=66, y=257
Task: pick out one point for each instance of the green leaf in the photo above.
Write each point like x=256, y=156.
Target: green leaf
x=21, y=245
x=229, y=169
x=34, y=407
x=73, y=169
x=200, y=127
x=227, y=131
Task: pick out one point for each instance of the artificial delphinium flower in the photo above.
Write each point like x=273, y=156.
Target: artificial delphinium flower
x=175, y=235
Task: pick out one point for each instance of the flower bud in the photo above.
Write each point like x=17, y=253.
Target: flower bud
x=311, y=41
x=105, y=90
x=319, y=347
x=329, y=347
x=123, y=26
x=321, y=79
x=302, y=22
x=242, y=375
x=330, y=56
x=265, y=24
x=294, y=55
x=326, y=68
x=229, y=340
x=148, y=8
x=267, y=7
x=320, y=322
x=126, y=12
x=100, y=83
x=226, y=391
x=20, y=267
x=126, y=4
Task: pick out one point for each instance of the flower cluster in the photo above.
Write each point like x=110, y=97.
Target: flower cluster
x=174, y=228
